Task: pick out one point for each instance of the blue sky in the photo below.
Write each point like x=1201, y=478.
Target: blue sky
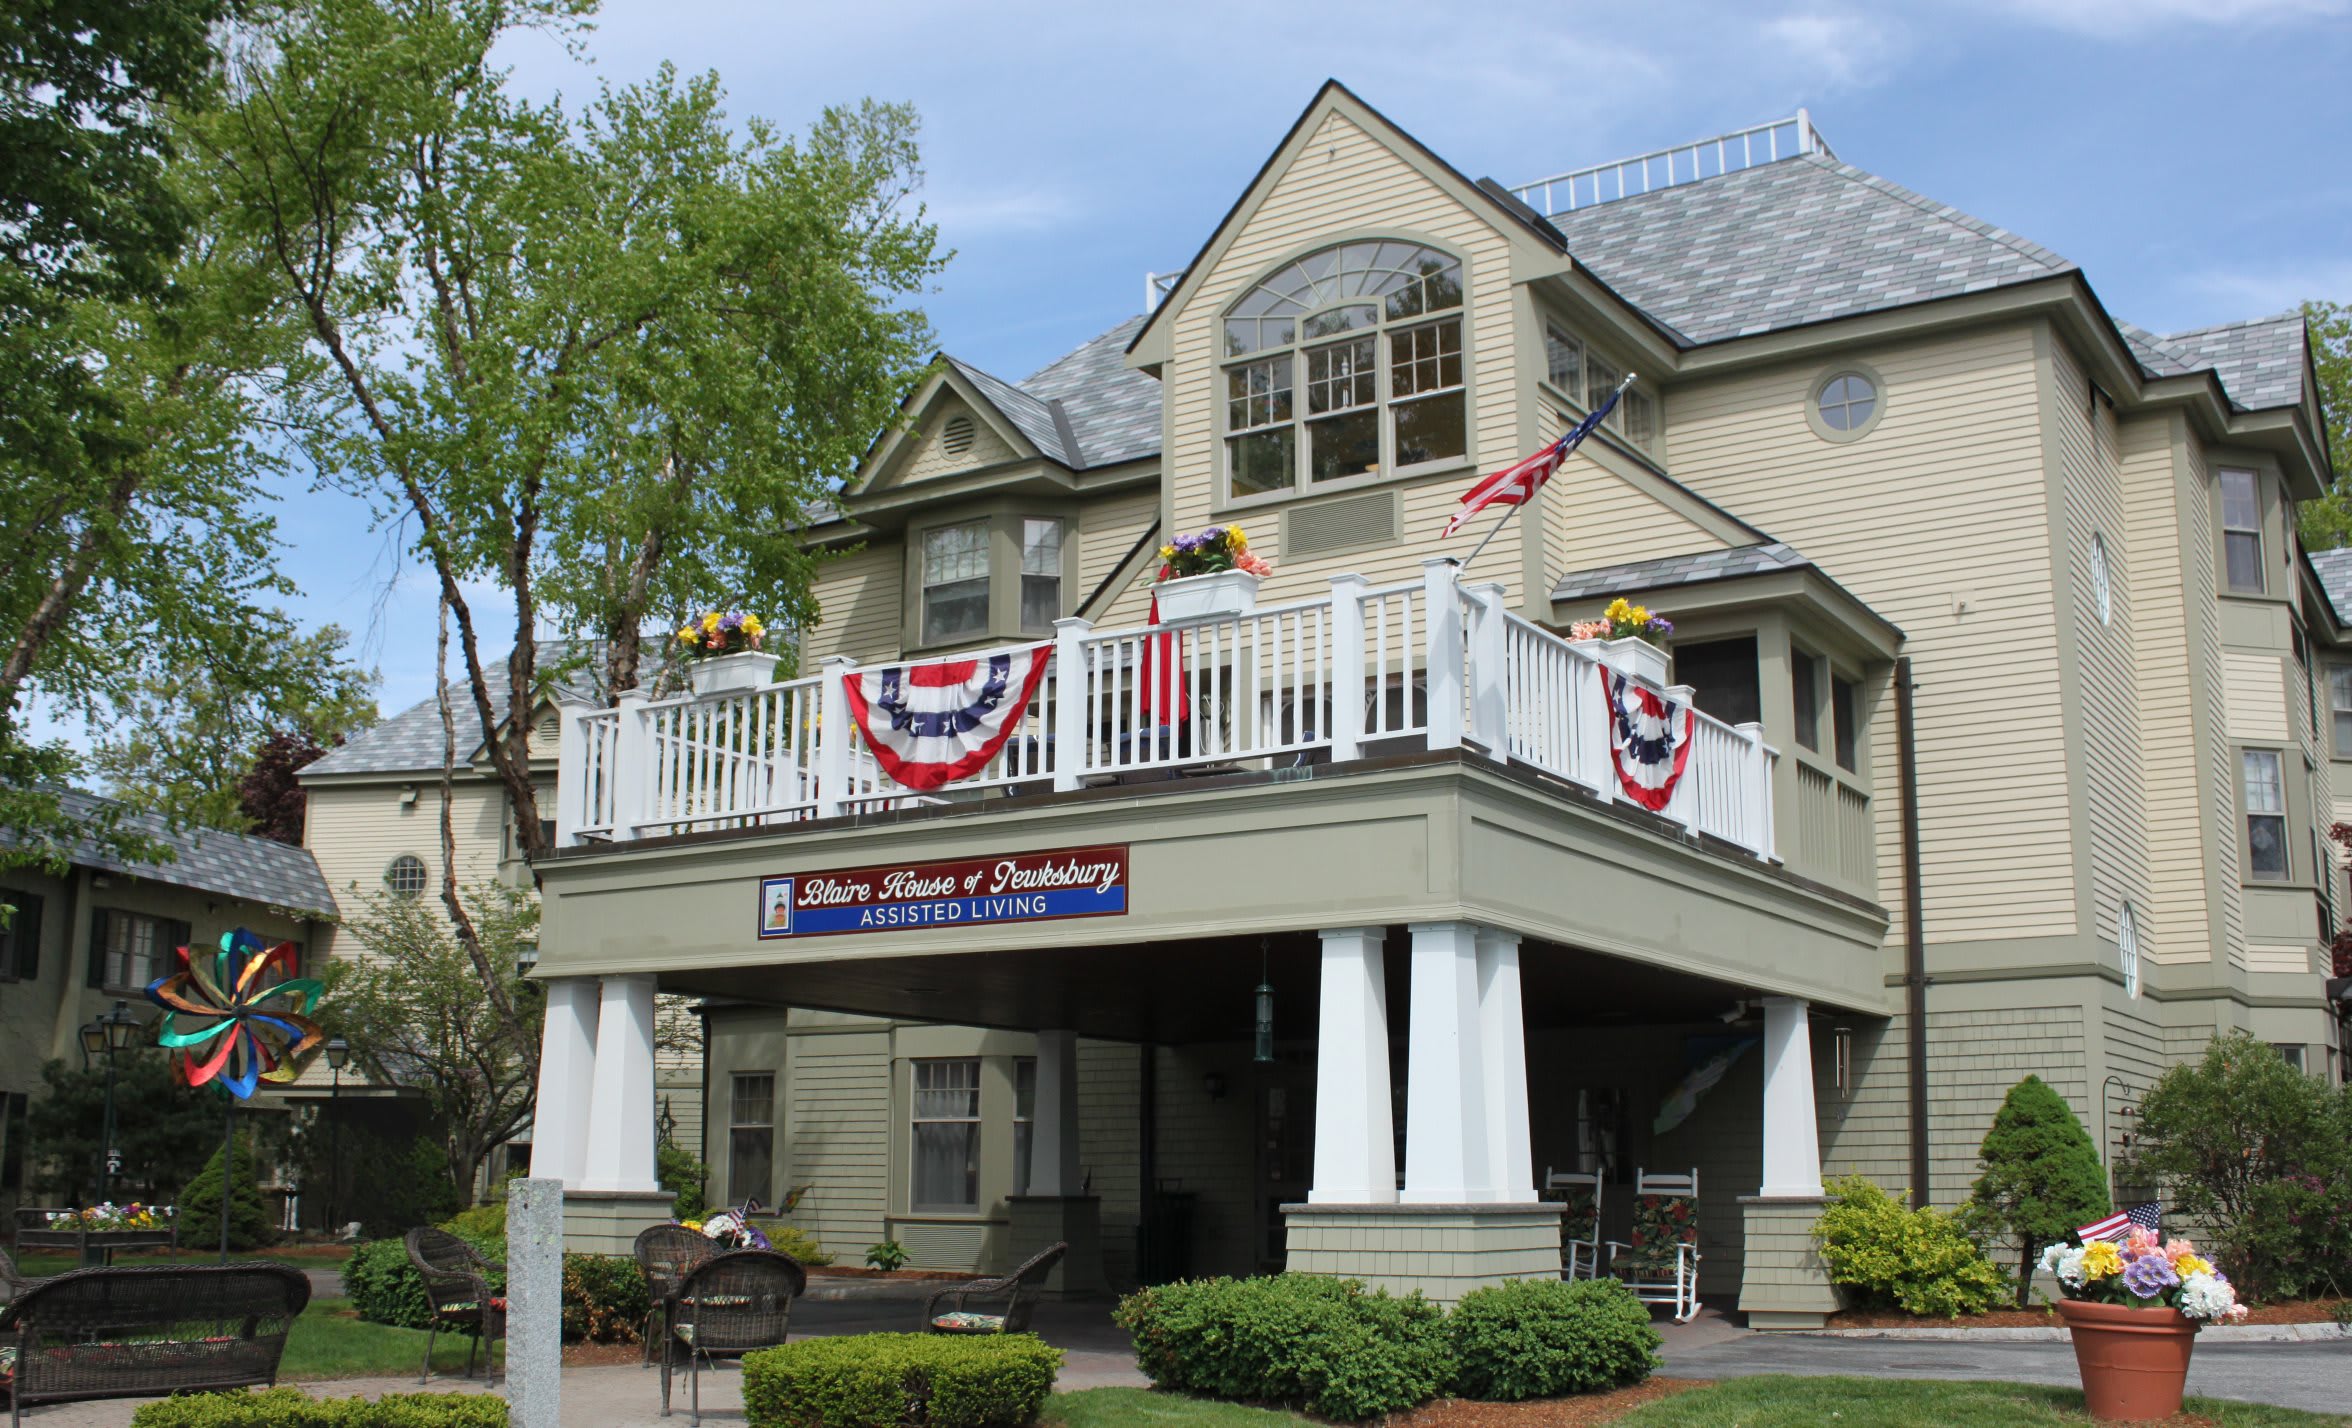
x=2188, y=154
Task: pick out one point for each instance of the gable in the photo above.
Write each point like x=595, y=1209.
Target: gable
x=951, y=436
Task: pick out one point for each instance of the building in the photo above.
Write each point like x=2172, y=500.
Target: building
x=97, y=934
x=2007, y=757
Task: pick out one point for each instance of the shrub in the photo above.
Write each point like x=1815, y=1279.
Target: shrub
x=1305, y=1341
x=385, y=1288
x=482, y=1224
x=604, y=1298
x=886, y=1380
x=886, y=1256
x=794, y=1241
x=1541, y=1338
x=199, y=1208
x=683, y=1176
x=2041, y=1177
x=292, y=1408
x=1919, y=1261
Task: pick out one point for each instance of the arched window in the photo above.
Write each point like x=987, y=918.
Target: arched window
x=1346, y=363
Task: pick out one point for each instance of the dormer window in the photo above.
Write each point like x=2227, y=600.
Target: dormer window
x=955, y=582
x=1347, y=363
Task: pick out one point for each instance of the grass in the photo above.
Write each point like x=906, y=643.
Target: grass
x=299, y=1256
x=329, y=1341
x=1122, y=1407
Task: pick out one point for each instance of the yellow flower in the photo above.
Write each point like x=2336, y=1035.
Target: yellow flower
x=1618, y=610
x=1240, y=540
x=710, y=623
x=2101, y=1259
x=2185, y=1265
x=1167, y=552
x=753, y=627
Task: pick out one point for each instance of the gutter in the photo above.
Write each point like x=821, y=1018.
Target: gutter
x=1914, y=930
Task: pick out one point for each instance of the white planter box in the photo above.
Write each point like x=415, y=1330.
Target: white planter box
x=1638, y=658
x=1223, y=592
x=725, y=674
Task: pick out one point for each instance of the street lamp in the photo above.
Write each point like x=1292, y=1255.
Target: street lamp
x=115, y=1029
x=338, y=1056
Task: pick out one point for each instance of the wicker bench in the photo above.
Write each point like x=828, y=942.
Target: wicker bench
x=144, y=1333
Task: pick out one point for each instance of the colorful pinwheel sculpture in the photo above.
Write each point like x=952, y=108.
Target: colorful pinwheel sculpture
x=231, y=1017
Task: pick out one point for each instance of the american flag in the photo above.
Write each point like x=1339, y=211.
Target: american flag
x=2148, y=1215
x=1512, y=485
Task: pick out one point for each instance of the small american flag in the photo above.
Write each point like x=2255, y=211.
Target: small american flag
x=1512, y=485
x=2148, y=1215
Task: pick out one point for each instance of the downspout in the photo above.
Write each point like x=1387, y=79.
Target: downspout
x=1914, y=930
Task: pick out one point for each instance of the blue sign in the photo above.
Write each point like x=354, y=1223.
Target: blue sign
x=1016, y=887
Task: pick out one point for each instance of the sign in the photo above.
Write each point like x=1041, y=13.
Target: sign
x=1016, y=887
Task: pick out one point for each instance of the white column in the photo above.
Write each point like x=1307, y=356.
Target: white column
x=1441, y=614
x=1053, y=1132
x=1070, y=707
x=632, y=765
x=1349, y=685
x=833, y=736
x=1355, y=1127
x=1792, y=1143
x=567, y=1066
x=1488, y=642
x=1502, y=1029
x=620, y=1133
x=1445, y=1092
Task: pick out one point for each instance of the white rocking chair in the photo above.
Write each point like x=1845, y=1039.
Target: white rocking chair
x=1661, y=1264
x=1580, y=1221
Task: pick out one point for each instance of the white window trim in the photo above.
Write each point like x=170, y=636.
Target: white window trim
x=977, y=1120
x=2127, y=947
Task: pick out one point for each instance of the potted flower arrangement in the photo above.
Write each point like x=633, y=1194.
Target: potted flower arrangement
x=1211, y=573
x=1632, y=640
x=112, y=1218
x=2134, y=1309
x=722, y=652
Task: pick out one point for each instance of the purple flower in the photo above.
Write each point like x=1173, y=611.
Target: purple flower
x=731, y=622
x=2149, y=1276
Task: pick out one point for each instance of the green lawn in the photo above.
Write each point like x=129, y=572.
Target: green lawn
x=323, y=1257
x=1120, y=1407
x=330, y=1342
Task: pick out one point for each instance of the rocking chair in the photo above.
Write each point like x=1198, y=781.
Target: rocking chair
x=1580, y=1221
x=1661, y=1265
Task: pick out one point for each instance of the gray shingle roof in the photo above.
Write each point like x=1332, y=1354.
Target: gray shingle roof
x=410, y=741
x=1665, y=572
x=1089, y=408
x=1034, y=419
x=1801, y=240
x=2334, y=568
x=2259, y=361
x=209, y=860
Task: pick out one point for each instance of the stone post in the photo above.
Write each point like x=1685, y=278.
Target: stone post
x=534, y=1302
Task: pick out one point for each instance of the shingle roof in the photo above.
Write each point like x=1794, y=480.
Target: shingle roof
x=2334, y=568
x=2259, y=361
x=410, y=741
x=1034, y=418
x=1801, y=240
x=211, y=860
x=1089, y=408
x=1665, y=572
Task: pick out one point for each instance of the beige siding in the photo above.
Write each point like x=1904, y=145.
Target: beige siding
x=1346, y=182
x=931, y=458
x=858, y=599
x=1107, y=532
x=1956, y=552
x=1592, y=518
x=839, y=1138
x=2257, y=692
x=1974, y=1057
x=2201, y=559
x=356, y=830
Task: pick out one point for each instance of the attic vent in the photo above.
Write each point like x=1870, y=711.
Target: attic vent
x=546, y=733
x=1351, y=524
x=956, y=437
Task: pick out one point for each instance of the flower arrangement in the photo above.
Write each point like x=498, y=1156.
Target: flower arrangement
x=732, y=1228
x=1624, y=621
x=1217, y=548
x=2144, y=1272
x=111, y=1216
x=716, y=634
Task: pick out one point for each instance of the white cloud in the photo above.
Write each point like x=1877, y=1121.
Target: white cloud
x=962, y=213
x=1824, y=50
x=2115, y=19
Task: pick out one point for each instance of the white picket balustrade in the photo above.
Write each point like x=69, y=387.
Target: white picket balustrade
x=1215, y=689
x=730, y=760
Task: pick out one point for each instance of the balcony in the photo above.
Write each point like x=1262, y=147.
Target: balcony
x=1364, y=672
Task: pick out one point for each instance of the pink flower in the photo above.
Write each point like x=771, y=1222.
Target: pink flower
x=2140, y=1241
x=2174, y=1249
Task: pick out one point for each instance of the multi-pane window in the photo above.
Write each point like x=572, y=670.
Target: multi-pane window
x=1370, y=336
x=1585, y=377
x=946, y=1135
x=1041, y=575
x=2339, y=677
x=2265, y=799
x=405, y=875
x=1847, y=402
x=20, y=937
x=1024, y=1116
x=1722, y=677
x=2127, y=948
x=1564, y=363
x=751, y=1137
x=1805, y=684
x=2241, y=530
x=128, y=950
x=955, y=581
x=1844, y=717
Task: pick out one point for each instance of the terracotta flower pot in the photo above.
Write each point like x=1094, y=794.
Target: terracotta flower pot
x=2134, y=1362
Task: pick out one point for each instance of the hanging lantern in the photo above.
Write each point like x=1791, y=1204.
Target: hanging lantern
x=1264, y=1052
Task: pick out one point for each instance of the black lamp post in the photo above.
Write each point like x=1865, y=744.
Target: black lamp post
x=115, y=1029
x=338, y=1056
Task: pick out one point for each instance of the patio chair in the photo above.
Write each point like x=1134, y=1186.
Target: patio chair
x=1661, y=1264
x=726, y=1306
x=12, y=1281
x=665, y=1253
x=1019, y=1290
x=458, y=1287
x=1580, y=1221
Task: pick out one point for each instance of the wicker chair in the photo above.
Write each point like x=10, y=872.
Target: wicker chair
x=144, y=1333
x=1018, y=1289
x=725, y=1307
x=12, y=1280
x=456, y=1281
x=665, y=1253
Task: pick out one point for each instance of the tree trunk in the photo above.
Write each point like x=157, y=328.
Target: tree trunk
x=2025, y=1274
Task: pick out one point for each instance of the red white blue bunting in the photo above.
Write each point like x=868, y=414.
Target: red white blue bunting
x=932, y=723
x=1649, y=740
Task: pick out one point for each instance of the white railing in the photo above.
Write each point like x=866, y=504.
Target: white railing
x=1683, y=163
x=1363, y=672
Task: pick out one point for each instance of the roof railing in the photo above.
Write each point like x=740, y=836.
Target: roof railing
x=1683, y=163
x=1157, y=286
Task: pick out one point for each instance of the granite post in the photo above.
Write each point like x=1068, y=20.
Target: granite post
x=534, y=1302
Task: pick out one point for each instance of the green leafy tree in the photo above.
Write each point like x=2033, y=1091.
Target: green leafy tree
x=2040, y=1177
x=2327, y=522
x=163, y=1128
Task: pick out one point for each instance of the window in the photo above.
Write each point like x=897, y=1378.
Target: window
x=2266, y=814
x=2289, y=1052
x=2241, y=530
x=1585, y=377
x=1564, y=363
x=1805, y=685
x=1846, y=403
x=2339, y=678
x=1024, y=1116
x=406, y=875
x=20, y=940
x=1371, y=335
x=751, y=1137
x=955, y=582
x=946, y=1136
x=1041, y=575
x=2127, y=947
x=2101, y=597
x=15, y=1139
x=1844, y=697
x=1722, y=677
x=130, y=949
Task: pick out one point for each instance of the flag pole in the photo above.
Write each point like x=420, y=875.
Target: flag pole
x=1513, y=508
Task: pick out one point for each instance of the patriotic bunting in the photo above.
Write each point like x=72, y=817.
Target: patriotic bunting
x=929, y=724
x=1649, y=740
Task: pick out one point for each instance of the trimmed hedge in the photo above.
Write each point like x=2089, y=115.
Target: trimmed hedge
x=1541, y=1338
x=292, y=1408
x=1304, y=1341
x=604, y=1296
x=900, y=1380
x=384, y=1286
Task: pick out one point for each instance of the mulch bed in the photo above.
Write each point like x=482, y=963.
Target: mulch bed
x=1574, y=1412
x=2300, y=1311
x=851, y=1271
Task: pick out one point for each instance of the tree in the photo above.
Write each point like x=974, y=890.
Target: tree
x=162, y=1127
x=417, y=1015
x=199, y=1207
x=2327, y=522
x=2041, y=1176
x=270, y=799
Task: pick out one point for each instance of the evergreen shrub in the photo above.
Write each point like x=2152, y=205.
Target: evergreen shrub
x=199, y=1208
x=1892, y=1256
x=385, y=1289
x=2041, y=1177
x=1541, y=1338
x=1304, y=1341
x=292, y=1408
x=890, y=1380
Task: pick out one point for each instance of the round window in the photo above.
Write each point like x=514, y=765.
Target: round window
x=406, y=876
x=2102, y=598
x=1846, y=402
x=2127, y=947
